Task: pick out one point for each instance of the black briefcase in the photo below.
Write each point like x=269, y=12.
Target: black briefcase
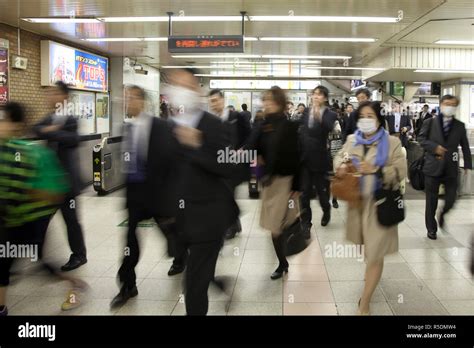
x=295, y=241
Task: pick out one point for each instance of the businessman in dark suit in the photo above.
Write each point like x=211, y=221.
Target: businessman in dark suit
x=316, y=124
x=60, y=130
x=239, y=129
x=441, y=137
x=422, y=117
x=206, y=202
x=399, y=124
x=362, y=95
x=246, y=114
x=149, y=152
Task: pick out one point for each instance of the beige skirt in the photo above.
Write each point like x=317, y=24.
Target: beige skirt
x=363, y=228
x=278, y=210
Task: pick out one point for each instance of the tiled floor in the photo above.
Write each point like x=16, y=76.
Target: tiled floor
x=425, y=277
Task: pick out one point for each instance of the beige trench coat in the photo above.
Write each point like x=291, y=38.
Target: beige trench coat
x=362, y=226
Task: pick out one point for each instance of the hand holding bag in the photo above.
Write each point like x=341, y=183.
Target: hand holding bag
x=390, y=204
x=346, y=186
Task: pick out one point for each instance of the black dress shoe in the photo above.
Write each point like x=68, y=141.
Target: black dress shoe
x=3, y=311
x=431, y=235
x=73, y=263
x=279, y=272
x=326, y=218
x=176, y=269
x=123, y=296
x=335, y=204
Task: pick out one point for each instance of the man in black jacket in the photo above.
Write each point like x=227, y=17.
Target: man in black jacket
x=316, y=124
x=441, y=137
x=61, y=132
x=423, y=116
x=239, y=130
x=246, y=114
x=148, y=156
x=399, y=124
x=206, y=205
x=362, y=95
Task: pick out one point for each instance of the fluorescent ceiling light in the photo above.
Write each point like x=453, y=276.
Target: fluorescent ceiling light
x=113, y=39
x=276, y=56
x=344, y=68
x=218, y=56
x=445, y=71
x=350, y=19
x=155, y=39
x=270, y=56
x=249, y=38
x=455, y=42
x=61, y=20
x=270, y=62
x=282, y=76
x=319, y=39
x=133, y=19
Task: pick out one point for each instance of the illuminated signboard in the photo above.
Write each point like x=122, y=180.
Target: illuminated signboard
x=206, y=44
x=81, y=70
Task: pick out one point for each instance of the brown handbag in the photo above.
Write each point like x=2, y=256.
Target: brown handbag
x=346, y=186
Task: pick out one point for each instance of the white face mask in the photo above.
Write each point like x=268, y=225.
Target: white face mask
x=184, y=100
x=367, y=125
x=448, y=111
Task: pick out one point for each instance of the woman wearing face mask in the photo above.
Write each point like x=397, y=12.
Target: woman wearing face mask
x=276, y=142
x=373, y=152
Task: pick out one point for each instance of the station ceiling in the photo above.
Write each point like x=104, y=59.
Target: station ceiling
x=423, y=23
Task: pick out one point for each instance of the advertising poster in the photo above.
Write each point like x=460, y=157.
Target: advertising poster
x=102, y=113
x=91, y=72
x=62, y=65
x=3, y=76
x=79, y=69
x=83, y=106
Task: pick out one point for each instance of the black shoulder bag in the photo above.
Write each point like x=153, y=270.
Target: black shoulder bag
x=389, y=203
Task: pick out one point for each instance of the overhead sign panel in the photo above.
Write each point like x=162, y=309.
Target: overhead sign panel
x=206, y=44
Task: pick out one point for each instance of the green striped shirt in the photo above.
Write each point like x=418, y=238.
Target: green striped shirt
x=17, y=172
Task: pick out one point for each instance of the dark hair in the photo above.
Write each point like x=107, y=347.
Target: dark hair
x=349, y=104
x=289, y=102
x=216, y=91
x=374, y=105
x=278, y=96
x=449, y=97
x=63, y=88
x=301, y=104
x=138, y=90
x=322, y=90
x=426, y=105
x=365, y=91
x=433, y=111
x=244, y=107
x=14, y=112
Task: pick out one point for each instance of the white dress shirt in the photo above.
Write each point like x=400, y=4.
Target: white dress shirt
x=398, y=117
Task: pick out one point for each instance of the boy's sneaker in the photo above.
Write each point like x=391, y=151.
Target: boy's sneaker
x=72, y=301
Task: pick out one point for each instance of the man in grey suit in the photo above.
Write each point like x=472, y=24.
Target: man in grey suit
x=441, y=137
